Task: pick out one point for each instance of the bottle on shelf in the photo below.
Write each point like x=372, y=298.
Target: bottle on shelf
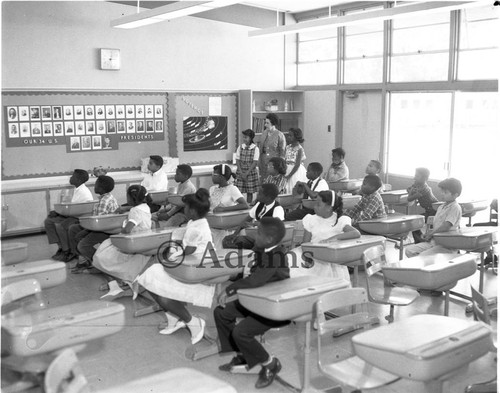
x=286, y=106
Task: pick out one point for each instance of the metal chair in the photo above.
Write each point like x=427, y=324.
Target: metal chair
x=482, y=312
x=382, y=292
x=351, y=371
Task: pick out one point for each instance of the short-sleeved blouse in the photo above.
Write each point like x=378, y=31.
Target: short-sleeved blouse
x=140, y=215
x=224, y=196
x=324, y=228
x=197, y=235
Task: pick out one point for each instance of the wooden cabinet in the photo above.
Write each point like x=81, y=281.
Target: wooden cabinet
x=255, y=105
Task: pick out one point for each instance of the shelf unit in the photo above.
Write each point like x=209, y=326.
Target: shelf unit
x=251, y=112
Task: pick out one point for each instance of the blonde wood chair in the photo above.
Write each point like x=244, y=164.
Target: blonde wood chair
x=351, y=371
x=381, y=291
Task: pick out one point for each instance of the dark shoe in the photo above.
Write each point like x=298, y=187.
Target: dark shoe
x=268, y=373
x=238, y=360
x=68, y=256
x=57, y=256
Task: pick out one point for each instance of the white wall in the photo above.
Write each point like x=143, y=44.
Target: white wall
x=55, y=45
x=319, y=113
x=361, y=137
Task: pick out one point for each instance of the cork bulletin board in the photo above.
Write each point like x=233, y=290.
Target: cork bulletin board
x=52, y=133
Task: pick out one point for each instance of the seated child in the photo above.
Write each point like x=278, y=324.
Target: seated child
x=171, y=294
x=270, y=265
x=83, y=240
x=327, y=225
x=173, y=216
x=156, y=180
x=276, y=169
x=267, y=206
x=447, y=219
x=371, y=204
x=57, y=226
x=338, y=170
x=309, y=190
x=374, y=167
x=116, y=263
x=422, y=193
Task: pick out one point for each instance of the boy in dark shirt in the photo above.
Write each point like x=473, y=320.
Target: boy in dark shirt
x=270, y=265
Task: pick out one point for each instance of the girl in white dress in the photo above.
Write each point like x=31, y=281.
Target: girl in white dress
x=171, y=294
x=116, y=263
x=294, y=156
x=224, y=197
x=326, y=226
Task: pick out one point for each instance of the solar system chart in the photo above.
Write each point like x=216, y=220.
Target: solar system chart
x=205, y=133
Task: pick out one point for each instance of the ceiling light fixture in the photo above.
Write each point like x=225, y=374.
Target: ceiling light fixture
x=408, y=10
x=167, y=12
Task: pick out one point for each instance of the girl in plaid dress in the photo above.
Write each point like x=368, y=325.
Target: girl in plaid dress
x=247, y=159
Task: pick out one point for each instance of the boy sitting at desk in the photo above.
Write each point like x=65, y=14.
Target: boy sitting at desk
x=371, y=204
x=309, y=190
x=266, y=206
x=57, y=226
x=156, y=180
x=447, y=219
x=173, y=216
x=422, y=193
x=269, y=265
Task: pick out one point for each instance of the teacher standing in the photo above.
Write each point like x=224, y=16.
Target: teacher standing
x=272, y=144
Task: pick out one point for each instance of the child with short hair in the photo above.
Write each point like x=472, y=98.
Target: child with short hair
x=270, y=265
x=276, y=170
x=266, y=206
x=447, y=218
x=294, y=156
x=338, y=170
x=57, y=226
x=156, y=180
x=371, y=204
x=247, y=159
x=374, y=167
x=171, y=294
x=309, y=190
x=83, y=240
x=173, y=216
x=112, y=261
x=421, y=192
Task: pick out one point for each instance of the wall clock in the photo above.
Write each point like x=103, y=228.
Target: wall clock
x=110, y=59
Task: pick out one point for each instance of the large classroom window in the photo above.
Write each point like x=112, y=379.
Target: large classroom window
x=363, y=60
x=452, y=134
x=478, y=56
x=317, y=60
x=420, y=48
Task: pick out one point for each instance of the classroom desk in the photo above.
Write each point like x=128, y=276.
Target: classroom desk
x=70, y=209
x=469, y=208
x=395, y=198
x=290, y=299
x=395, y=226
x=471, y=239
x=227, y=220
x=348, y=202
x=424, y=347
x=108, y=223
x=173, y=381
x=344, y=252
x=14, y=253
x=144, y=242
x=47, y=272
x=175, y=200
x=159, y=197
x=343, y=186
x=287, y=201
x=439, y=272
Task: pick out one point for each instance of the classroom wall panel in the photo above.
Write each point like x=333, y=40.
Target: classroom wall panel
x=362, y=131
x=56, y=44
x=319, y=113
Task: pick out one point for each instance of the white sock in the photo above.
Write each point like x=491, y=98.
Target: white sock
x=171, y=319
x=114, y=289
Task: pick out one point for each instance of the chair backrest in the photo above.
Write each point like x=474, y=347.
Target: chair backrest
x=480, y=306
x=65, y=375
x=374, y=259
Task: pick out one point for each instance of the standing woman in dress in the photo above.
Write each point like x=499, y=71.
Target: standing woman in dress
x=294, y=156
x=273, y=143
x=247, y=158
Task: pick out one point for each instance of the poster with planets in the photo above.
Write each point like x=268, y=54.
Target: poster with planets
x=205, y=133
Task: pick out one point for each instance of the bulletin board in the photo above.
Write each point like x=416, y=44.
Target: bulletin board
x=52, y=133
x=206, y=127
